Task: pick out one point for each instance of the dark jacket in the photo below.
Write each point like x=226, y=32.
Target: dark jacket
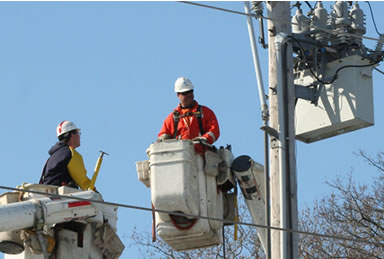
x=55, y=171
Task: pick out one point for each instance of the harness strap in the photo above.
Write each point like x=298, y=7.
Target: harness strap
x=176, y=119
x=199, y=116
x=177, y=116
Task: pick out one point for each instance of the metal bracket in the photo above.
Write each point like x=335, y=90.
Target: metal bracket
x=275, y=143
x=307, y=93
x=305, y=41
x=271, y=131
x=272, y=31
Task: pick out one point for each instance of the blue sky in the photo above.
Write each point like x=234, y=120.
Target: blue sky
x=110, y=68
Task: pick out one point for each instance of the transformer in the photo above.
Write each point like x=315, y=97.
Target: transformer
x=343, y=106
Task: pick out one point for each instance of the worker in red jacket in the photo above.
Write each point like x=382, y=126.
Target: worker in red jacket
x=192, y=121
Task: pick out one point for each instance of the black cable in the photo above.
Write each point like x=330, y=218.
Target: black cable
x=373, y=18
x=267, y=18
x=308, y=66
x=216, y=8
x=378, y=70
x=367, y=65
x=335, y=76
x=301, y=49
x=309, y=5
x=67, y=196
x=297, y=4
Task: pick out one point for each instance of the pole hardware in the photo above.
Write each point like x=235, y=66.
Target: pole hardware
x=271, y=131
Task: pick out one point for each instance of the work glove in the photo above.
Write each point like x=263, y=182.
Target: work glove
x=163, y=137
x=200, y=139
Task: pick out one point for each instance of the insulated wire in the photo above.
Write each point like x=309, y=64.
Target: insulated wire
x=335, y=76
x=378, y=70
x=217, y=8
x=199, y=217
x=309, y=5
x=310, y=27
x=373, y=18
x=267, y=18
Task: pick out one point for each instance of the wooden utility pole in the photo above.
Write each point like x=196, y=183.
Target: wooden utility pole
x=283, y=244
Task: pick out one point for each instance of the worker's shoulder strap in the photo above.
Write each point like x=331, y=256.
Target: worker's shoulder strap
x=176, y=119
x=198, y=114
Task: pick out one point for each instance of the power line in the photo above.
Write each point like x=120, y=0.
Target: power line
x=199, y=217
x=373, y=18
x=378, y=70
x=267, y=18
x=217, y=8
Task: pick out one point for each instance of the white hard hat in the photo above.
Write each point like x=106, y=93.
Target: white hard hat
x=183, y=84
x=64, y=127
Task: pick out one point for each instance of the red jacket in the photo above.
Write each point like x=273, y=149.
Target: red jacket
x=188, y=126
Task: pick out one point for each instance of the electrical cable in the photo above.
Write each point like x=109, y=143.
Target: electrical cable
x=335, y=76
x=311, y=27
x=309, y=5
x=378, y=70
x=217, y=8
x=373, y=18
x=297, y=5
x=200, y=217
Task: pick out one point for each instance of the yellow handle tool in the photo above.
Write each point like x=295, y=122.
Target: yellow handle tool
x=97, y=168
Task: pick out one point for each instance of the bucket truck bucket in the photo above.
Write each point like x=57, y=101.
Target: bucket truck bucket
x=180, y=185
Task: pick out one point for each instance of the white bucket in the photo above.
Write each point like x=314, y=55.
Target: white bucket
x=174, y=181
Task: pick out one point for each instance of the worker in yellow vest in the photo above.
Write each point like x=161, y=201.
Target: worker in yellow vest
x=65, y=166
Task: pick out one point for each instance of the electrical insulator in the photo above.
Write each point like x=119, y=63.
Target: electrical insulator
x=257, y=7
x=340, y=10
x=358, y=24
x=300, y=23
x=380, y=43
x=357, y=18
x=319, y=20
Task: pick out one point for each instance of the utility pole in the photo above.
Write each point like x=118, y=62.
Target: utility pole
x=283, y=182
